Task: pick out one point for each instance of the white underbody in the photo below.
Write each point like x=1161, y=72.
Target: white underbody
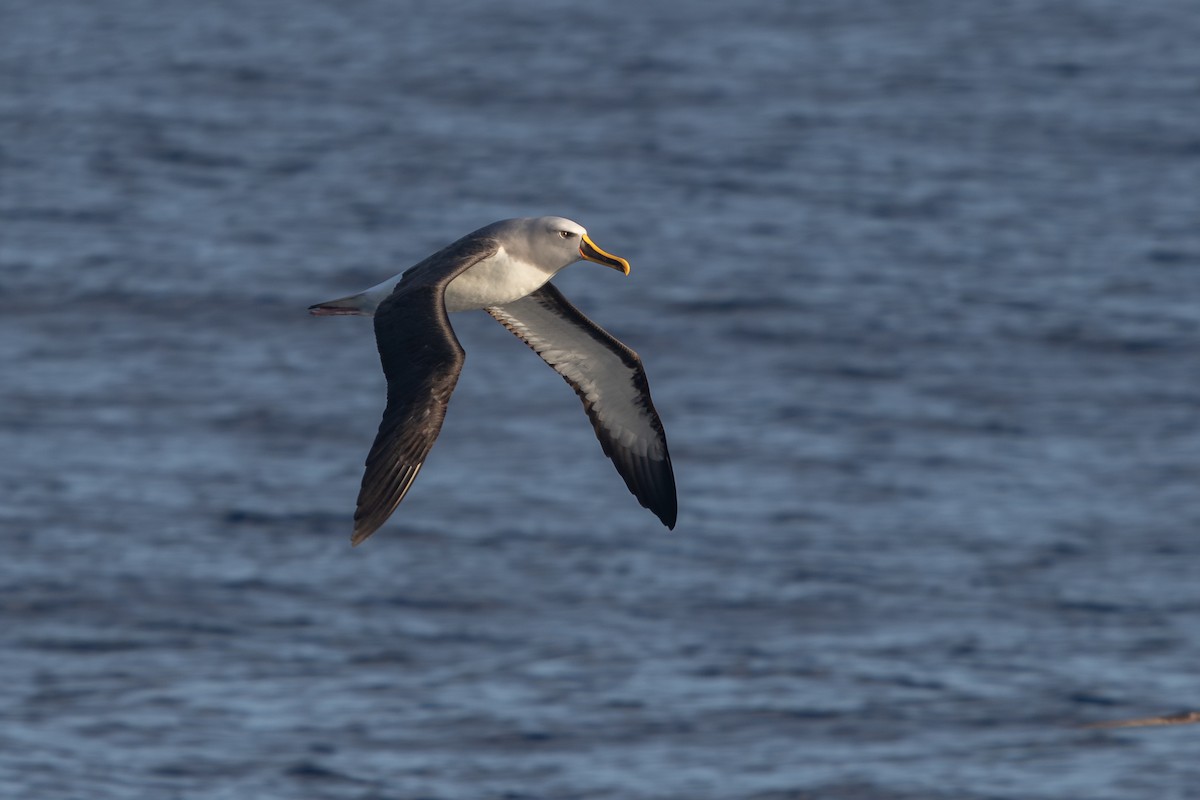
x=496, y=281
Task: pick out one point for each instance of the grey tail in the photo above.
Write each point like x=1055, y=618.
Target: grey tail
x=354, y=304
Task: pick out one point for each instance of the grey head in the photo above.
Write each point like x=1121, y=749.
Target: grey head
x=552, y=242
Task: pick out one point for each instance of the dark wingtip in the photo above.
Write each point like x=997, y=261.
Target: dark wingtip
x=667, y=513
x=360, y=535
x=653, y=484
x=364, y=526
x=667, y=509
x=367, y=522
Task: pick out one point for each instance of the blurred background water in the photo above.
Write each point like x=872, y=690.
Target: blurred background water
x=916, y=288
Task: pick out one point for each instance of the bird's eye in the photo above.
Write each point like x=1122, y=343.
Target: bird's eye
x=566, y=234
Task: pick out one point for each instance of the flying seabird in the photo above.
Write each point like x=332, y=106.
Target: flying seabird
x=504, y=269
x=1182, y=718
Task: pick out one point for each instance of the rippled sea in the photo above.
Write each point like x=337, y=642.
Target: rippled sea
x=916, y=288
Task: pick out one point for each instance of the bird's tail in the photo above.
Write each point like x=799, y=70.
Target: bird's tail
x=354, y=304
x=363, y=304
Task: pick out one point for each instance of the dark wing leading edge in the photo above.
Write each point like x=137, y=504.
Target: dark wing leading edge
x=421, y=360
x=609, y=378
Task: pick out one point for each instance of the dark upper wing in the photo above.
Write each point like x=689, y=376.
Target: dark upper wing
x=421, y=360
x=609, y=378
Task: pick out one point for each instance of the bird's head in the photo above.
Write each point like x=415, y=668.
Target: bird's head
x=566, y=241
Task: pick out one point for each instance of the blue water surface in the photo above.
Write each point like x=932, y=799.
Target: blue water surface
x=916, y=288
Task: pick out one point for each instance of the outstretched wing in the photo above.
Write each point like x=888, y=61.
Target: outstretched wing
x=421, y=360
x=609, y=378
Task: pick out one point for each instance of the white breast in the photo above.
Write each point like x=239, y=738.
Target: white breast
x=495, y=281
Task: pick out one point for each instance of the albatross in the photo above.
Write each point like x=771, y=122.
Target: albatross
x=1182, y=718
x=503, y=269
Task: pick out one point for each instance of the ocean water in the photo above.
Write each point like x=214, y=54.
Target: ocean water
x=916, y=290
